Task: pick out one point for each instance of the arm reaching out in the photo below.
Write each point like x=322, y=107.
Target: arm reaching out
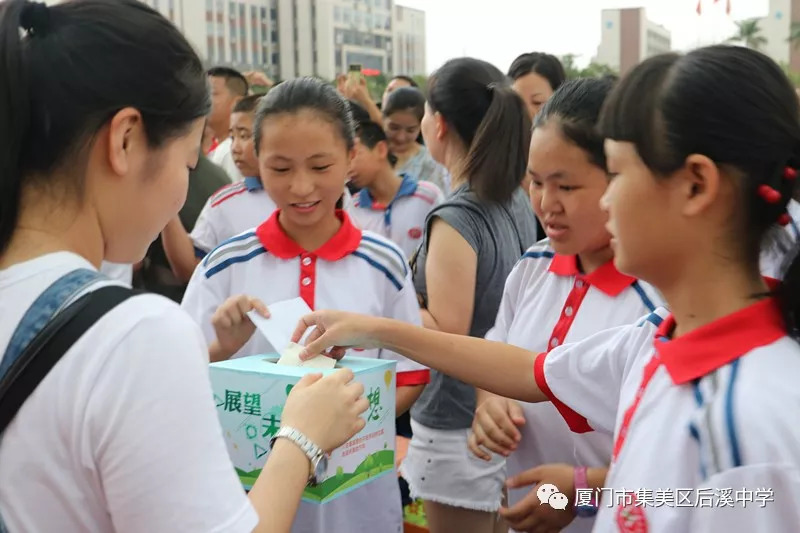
x=496, y=367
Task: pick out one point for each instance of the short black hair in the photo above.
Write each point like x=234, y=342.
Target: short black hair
x=405, y=99
x=403, y=77
x=370, y=134
x=307, y=94
x=546, y=65
x=359, y=113
x=735, y=106
x=234, y=80
x=576, y=107
x=247, y=104
x=478, y=103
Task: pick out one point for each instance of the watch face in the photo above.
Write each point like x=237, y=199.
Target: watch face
x=322, y=468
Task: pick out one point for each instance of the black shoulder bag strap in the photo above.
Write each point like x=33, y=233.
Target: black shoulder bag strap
x=55, y=321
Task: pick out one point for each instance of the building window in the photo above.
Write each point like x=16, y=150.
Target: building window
x=337, y=14
x=358, y=18
x=210, y=46
x=155, y=5
x=209, y=5
x=347, y=16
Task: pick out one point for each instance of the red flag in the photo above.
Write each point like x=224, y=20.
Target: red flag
x=728, y=7
x=699, y=7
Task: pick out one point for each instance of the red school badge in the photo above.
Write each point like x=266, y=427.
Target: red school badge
x=631, y=518
x=415, y=233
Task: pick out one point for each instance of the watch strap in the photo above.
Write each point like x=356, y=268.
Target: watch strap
x=308, y=447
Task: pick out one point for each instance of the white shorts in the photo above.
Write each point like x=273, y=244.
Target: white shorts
x=439, y=467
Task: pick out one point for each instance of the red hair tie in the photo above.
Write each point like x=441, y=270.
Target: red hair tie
x=789, y=173
x=770, y=195
x=784, y=219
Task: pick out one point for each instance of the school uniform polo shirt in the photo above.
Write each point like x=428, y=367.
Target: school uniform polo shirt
x=548, y=302
x=403, y=219
x=355, y=271
x=705, y=426
x=230, y=211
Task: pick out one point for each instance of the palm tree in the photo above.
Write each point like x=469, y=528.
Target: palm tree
x=749, y=33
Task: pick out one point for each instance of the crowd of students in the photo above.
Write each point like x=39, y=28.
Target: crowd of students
x=584, y=283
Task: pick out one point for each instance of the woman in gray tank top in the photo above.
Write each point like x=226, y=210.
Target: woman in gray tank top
x=478, y=128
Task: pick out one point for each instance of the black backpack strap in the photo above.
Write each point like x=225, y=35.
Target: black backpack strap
x=53, y=323
x=50, y=344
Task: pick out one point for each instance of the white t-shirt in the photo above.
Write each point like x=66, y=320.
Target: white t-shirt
x=121, y=272
x=221, y=155
x=772, y=258
x=708, y=420
x=548, y=302
x=230, y=211
x=122, y=435
x=354, y=271
x=403, y=220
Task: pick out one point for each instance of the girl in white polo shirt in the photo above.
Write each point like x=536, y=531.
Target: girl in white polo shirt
x=705, y=150
x=564, y=289
x=304, y=138
x=103, y=105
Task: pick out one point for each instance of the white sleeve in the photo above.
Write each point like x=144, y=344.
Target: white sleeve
x=583, y=379
x=152, y=426
x=508, y=306
x=403, y=305
x=204, y=235
x=202, y=298
x=764, y=500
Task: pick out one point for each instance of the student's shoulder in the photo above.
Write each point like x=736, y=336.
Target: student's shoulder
x=146, y=314
x=240, y=248
x=225, y=193
x=384, y=256
x=541, y=252
x=429, y=192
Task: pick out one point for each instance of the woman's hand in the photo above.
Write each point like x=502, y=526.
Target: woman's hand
x=495, y=427
x=326, y=410
x=232, y=325
x=333, y=333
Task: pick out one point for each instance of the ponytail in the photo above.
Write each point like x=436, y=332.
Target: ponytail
x=498, y=156
x=476, y=101
x=15, y=110
x=788, y=293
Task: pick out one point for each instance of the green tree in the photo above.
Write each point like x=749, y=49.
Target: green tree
x=376, y=85
x=748, y=33
x=570, y=68
x=598, y=70
x=593, y=70
x=422, y=81
x=794, y=34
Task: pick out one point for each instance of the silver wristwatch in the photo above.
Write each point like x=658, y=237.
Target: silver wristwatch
x=315, y=454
